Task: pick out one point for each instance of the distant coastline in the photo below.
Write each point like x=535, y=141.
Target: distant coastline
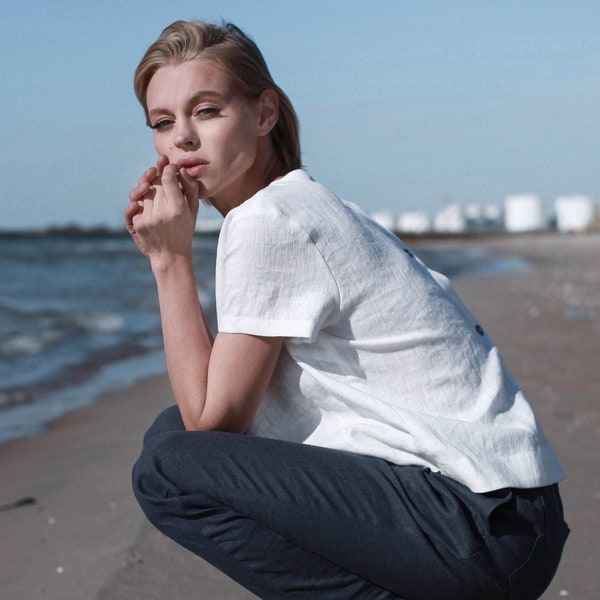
x=75, y=231
x=65, y=231
x=101, y=231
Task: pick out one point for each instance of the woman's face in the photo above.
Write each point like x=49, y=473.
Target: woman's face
x=201, y=123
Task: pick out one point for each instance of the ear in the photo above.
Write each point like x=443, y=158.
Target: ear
x=268, y=104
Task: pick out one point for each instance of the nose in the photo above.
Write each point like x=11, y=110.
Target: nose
x=186, y=137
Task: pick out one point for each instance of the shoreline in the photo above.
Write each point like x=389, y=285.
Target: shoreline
x=85, y=537
x=26, y=409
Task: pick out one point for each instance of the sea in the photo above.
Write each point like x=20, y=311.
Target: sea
x=79, y=316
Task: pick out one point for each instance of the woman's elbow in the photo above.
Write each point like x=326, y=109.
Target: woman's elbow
x=229, y=421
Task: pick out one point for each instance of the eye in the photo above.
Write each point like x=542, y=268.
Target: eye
x=206, y=111
x=162, y=124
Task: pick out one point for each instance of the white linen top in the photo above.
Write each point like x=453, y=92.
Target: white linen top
x=381, y=357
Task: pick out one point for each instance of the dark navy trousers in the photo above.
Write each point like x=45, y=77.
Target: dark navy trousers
x=288, y=520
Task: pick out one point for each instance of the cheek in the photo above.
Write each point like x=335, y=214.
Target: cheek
x=241, y=142
x=162, y=145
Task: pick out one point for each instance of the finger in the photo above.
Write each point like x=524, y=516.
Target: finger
x=171, y=187
x=148, y=176
x=131, y=210
x=161, y=163
x=138, y=192
x=191, y=190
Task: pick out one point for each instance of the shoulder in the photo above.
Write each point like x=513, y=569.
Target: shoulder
x=297, y=211
x=290, y=195
x=274, y=217
x=295, y=202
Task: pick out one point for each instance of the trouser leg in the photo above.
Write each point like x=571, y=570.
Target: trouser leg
x=288, y=519
x=205, y=491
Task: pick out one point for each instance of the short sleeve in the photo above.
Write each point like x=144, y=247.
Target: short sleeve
x=271, y=278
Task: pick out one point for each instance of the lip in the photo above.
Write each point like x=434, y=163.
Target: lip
x=194, y=166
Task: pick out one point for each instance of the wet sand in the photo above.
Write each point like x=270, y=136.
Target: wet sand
x=82, y=536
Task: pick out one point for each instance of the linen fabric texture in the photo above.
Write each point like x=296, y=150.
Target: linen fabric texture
x=381, y=357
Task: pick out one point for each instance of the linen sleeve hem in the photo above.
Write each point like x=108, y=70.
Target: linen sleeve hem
x=268, y=327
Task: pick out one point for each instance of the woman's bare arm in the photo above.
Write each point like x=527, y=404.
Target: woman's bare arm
x=217, y=385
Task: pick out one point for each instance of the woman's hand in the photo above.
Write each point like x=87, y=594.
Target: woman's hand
x=142, y=190
x=161, y=216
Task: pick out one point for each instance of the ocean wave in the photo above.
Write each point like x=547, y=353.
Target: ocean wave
x=24, y=332
x=26, y=414
x=28, y=344
x=100, y=322
x=74, y=309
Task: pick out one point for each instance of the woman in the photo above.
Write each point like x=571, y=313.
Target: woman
x=387, y=453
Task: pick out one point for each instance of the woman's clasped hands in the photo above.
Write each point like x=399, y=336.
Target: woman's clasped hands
x=161, y=216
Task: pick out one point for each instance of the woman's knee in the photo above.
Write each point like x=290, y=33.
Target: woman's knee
x=170, y=466
x=154, y=474
x=150, y=482
x=168, y=420
x=146, y=478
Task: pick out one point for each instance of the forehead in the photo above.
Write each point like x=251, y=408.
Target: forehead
x=177, y=81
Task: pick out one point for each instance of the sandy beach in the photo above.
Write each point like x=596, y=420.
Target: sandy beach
x=71, y=529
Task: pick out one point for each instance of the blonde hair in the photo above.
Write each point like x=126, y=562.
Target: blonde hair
x=183, y=41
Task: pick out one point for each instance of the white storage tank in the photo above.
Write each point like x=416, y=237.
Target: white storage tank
x=417, y=222
x=450, y=220
x=385, y=219
x=574, y=213
x=524, y=212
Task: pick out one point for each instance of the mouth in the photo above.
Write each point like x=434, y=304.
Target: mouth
x=193, y=166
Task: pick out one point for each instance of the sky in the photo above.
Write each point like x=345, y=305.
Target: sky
x=403, y=104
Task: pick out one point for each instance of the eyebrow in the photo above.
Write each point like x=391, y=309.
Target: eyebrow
x=197, y=97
